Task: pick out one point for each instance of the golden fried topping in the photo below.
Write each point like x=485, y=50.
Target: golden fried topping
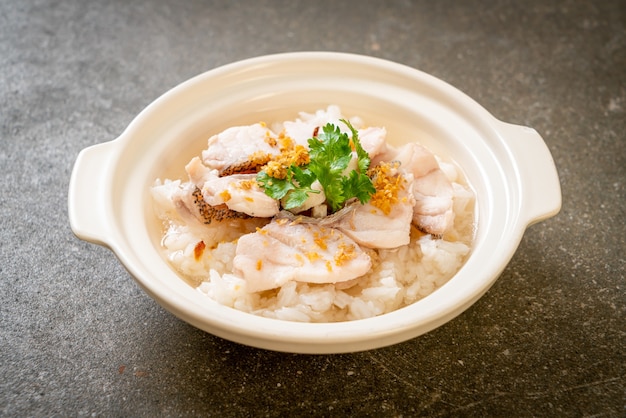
x=388, y=184
x=246, y=184
x=276, y=169
x=345, y=252
x=225, y=195
x=286, y=142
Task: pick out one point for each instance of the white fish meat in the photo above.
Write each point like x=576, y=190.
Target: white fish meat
x=308, y=124
x=199, y=173
x=370, y=227
x=241, y=193
x=237, y=192
x=373, y=140
x=241, y=149
x=285, y=250
x=434, y=203
x=385, y=221
x=433, y=212
x=412, y=157
x=191, y=207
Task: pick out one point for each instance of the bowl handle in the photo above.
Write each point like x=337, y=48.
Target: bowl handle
x=87, y=207
x=539, y=177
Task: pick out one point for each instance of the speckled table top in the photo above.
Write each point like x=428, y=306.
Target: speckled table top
x=78, y=337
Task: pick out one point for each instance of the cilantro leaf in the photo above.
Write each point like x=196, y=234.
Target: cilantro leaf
x=304, y=177
x=358, y=185
x=362, y=155
x=296, y=198
x=274, y=187
x=331, y=154
x=331, y=148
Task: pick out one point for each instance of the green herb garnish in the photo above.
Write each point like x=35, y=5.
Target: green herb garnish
x=294, y=188
x=330, y=155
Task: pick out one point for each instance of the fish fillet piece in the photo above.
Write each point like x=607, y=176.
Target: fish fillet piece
x=385, y=221
x=285, y=250
x=191, y=207
x=241, y=149
x=413, y=158
x=373, y=140
x=370, y=227
x=241, y=193
x=199, y=173
x=237, y=192
x=433, y=212
x=300, y=132
x=434, y=203
x=306, y=126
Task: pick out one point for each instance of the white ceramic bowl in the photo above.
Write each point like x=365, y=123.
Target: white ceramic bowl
x=508, y=166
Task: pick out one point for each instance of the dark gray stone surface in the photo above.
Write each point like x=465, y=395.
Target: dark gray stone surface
x=79, y=338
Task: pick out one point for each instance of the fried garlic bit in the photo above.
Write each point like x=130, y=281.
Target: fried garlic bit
x=388, y=184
